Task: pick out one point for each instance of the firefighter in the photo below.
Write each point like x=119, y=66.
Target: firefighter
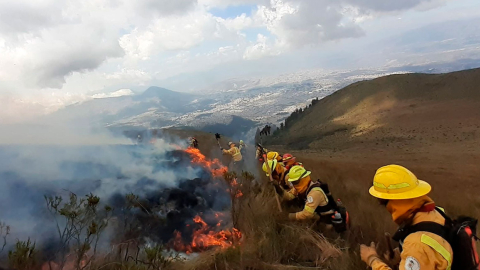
x=282, y=187
x=289, y=161
x=242, y=147
x=405, y=197
x=193, y=142
x=316, y=200
x=259, y=154
x=274, y=156
x=278, y=172
x=237, y=159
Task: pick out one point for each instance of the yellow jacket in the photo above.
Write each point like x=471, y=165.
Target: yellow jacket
x=234, y=152
x=315, y=198
x=423, y=250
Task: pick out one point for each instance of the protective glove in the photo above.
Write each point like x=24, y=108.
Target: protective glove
x=395, y=259
x=369, y=254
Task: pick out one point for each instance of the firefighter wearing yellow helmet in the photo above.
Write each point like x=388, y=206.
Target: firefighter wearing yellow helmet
x=278, y=171
x=405, y=197
x=316, y=200
x=274, y=156
x=281, y=185
x=237, y=159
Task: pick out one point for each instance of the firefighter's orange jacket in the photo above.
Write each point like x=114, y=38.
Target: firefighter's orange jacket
x=423, y=250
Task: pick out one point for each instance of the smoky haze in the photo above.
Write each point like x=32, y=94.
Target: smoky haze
x=158, y=173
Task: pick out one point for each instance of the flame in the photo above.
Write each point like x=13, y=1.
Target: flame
x=235, y=185
x=214, y=166
x=205, y=238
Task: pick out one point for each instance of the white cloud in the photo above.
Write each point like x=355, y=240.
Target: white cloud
x=55, y=52
x=129, y=75
x=227, y=3
x=24, y=16
x=179, y=33
x=118, y=93
x=302, y=23
x=260, y=49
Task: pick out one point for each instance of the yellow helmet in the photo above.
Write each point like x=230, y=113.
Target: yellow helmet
x=272, y=155
x=272, y=164
x=296, y=173
x=394, y=182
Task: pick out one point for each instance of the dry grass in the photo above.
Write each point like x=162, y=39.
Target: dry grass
x=268, y=243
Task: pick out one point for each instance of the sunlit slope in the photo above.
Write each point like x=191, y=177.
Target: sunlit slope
x=393, y=111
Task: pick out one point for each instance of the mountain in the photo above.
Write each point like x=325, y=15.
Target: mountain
x=161, y=102
x=432, y=112
x=235, y=106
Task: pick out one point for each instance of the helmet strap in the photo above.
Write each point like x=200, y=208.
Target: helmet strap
x=299, y=179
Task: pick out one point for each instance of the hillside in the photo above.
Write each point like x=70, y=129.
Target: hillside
x=428, y=123
x=396, y=112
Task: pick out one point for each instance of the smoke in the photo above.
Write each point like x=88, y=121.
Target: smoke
x=170, y=189
x=73, y=134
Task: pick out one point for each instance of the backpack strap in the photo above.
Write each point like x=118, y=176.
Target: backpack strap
x=330, y=206
x=448, y=220
x=431, y=227
x=408, y=228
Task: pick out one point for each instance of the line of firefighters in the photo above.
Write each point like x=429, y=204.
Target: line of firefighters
x=426, y=234
x=293, y=182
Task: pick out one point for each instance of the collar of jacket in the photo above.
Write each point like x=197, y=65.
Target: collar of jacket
x=401, y=210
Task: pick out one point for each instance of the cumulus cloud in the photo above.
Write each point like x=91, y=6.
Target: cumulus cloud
x=118, y=93
x=226, y=3
x=166, y=7
x=259, y=49
x=24, y=16
x=84, y=46
x=388, y=6
x=178, y=33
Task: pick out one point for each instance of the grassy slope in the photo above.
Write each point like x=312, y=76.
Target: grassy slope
x=393, y=104
x=428, y=123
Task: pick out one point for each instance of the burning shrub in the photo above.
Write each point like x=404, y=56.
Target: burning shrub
x=152, y=222
x=205, y=237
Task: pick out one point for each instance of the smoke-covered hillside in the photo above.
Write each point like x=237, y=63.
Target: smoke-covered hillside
x=157, y=192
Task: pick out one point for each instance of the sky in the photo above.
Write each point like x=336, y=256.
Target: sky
x=55, y=52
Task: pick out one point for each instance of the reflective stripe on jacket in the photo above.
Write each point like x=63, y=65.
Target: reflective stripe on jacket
x=423, y=250
x=315, y=198
x=235, y=153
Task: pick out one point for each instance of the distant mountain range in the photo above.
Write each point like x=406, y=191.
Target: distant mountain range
x=234, y=107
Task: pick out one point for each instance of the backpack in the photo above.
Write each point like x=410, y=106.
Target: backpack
x=340, y=218
x=460, y=233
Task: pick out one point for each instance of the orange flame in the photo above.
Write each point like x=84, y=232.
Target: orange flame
x=205, y=238
x=235, y=184
x=216, y=168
